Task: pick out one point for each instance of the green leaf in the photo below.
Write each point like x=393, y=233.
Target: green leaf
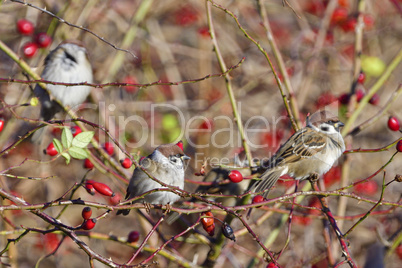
x=67, y=157
x=78, y=153
x=57, y=145
x=83, y=139
x=66, y=137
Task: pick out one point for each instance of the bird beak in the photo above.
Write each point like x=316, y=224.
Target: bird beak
x=339, y=124
x=185, y=157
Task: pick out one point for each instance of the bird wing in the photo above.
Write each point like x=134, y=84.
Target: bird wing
x=136, y=185
x=303, y=144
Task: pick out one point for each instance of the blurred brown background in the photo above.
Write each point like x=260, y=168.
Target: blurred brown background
x=171, y=41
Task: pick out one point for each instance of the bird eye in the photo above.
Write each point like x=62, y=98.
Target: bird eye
x=324, y=128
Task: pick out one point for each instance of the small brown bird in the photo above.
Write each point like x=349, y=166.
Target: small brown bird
x=311, y=150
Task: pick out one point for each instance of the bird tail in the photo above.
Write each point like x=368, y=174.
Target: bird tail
x=268, y=179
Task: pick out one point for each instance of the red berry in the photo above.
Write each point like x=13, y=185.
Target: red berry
x=375, y=99
x=235, y=176
x=48, y=242
x=206, y=124
x=43, y=40
x=56, y=131
x=399, y=251
x=101, y=188
x=204, y=31
x=25, y=27
x=108, y=147
x=302, y=220
x=399, y=146
x=361, y=78
x=185, y=16
x=332, y=176
x=344, y=98
x=51, y=150
x=349, y=25
x=272, y=265
x=75, y=130
x=359, y=95
x=126, y=162
x=133, y=237
x=368, y=21
x=315, y=203
x=367, y=188
x=130, y=80
x=272, y=139
x=258, y=199
x=325, y=99
x=393, y=123
x=88, y=224
x=1, y=124
x=208, y=223
x=316, y=7
x=180, y=144
x=86, y=213
x=114, y=200
x=340, y=15
x=90, y=188
x=88, y=164
x=29, y=49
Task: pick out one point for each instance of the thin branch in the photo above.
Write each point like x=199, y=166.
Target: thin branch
x=118, y=84
x=264, y=52
x=74, y=26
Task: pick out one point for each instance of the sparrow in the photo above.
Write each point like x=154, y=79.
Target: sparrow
x=67, y=63
x=165, y=163
x=312, y=150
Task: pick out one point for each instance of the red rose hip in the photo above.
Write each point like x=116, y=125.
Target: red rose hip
x=126, y=162
x=29, y=49
x=399, y=146
x=25, y=27
x=258, y=199
x=133, y=237
x=88, y=164
x=208, y=223
x=86, y=213
x=88, y=224
x=43, y=40
x=90, y=188
x=51, y=150
x=180, y=144
x=75, y=130
x=393, y=123
x=235, y=176
x=108, y=147
x=101, y=188
x=1, y=124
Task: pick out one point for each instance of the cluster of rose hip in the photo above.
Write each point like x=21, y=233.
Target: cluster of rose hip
x=75, y=130
x=39, y=40
x=341, y=17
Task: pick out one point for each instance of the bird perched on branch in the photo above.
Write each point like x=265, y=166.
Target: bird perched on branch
x=67, y=63
x=166, y=163
x=310, y=151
